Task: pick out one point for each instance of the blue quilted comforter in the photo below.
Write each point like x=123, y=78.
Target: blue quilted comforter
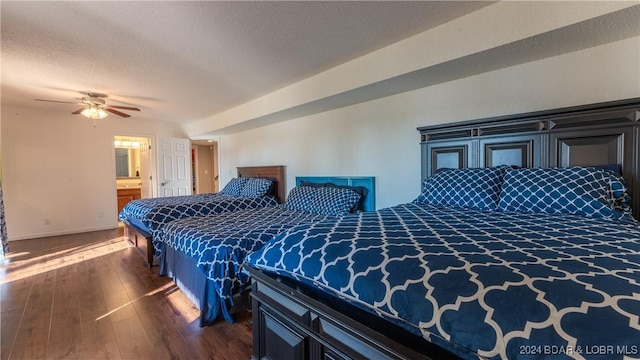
x=152, y=213
x=219, y=244
x=480, y=284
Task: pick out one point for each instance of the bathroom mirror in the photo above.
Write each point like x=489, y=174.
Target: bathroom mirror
x=127, y=163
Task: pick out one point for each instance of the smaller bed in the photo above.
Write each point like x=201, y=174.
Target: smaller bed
x=204, y=255
x=254, y=187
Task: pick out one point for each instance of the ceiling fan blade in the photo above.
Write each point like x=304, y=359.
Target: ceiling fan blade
x=94, y=94
x=124, y=107
x=113, y=111
x=78, y=111
x=56, y=101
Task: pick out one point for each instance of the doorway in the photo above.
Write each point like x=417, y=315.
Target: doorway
x=133, y=168
x=204, y=166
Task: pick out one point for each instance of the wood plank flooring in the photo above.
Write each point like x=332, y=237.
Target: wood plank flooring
x=91, y=296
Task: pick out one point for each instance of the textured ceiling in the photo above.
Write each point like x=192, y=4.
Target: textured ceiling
x=184, y=61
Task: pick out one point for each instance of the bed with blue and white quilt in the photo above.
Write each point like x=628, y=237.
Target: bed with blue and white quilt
x=518, y=263
x=148, y=215
x=204, y=255
x=144, y=217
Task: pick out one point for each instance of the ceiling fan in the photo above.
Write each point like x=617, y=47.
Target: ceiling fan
x=95, y=107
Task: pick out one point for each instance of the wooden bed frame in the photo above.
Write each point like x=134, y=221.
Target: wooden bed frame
x=143, y=241
x=290, y=323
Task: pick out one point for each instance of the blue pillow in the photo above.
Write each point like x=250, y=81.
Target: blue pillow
x=620, y=199
x=234, y=186
x=363, y=191
x=321, y=200
x=256, y=187
x=615, y=168
x=333, y=201
x=299, y=197
x=575, y=190
x=475, y=188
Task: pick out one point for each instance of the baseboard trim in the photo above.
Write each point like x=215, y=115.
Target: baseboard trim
x=63, y=232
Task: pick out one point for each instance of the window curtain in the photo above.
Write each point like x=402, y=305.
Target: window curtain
x=4, y=243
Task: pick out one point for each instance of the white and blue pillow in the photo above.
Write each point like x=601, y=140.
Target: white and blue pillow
x=299, y=197
x=322, y=200
x=361, y=190
x=333, y=201
x=256, y=187
x=475, y=188
x=234, y=186
x=575, y=190
x=621, y=200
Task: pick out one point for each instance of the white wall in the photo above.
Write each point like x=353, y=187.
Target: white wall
x=58, y=168
x=379, y=138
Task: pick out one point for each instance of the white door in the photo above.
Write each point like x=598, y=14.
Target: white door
x=145, y=169
x=174, y=167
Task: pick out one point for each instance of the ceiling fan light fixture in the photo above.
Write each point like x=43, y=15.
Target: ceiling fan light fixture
x=94, y=113
x=94, y=107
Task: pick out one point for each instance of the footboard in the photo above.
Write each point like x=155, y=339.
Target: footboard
x=288, y=324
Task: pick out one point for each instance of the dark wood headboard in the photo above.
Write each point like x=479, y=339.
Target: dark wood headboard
x=596, y=134
x=273, y=172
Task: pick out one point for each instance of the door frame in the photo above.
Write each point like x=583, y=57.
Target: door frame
x=214, y=177
x=208, y=141
x=152, y=158
x=195, y=182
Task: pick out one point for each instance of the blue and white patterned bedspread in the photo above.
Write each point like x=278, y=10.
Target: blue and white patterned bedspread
x=488, y=284
x=154, y=212
x=219, y=243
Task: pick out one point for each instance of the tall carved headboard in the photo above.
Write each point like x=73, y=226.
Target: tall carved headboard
x=596, y=134
x=273, y=172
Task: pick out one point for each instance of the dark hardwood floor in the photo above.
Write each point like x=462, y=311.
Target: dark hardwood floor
x=90, y=296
